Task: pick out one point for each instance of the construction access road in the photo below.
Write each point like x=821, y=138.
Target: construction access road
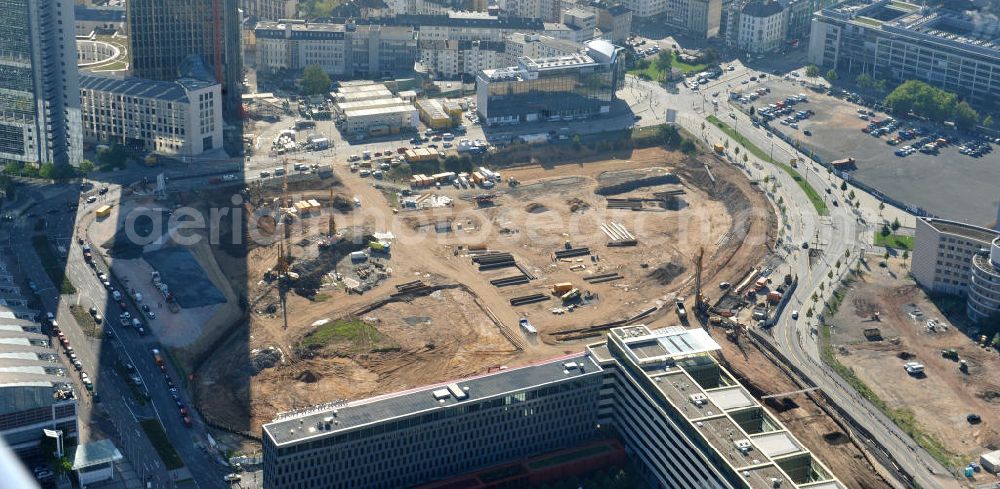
x=829, y=238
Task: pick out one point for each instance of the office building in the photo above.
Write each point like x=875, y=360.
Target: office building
x=689, y=422
x=546, y=10
x=761, y=26
x=568, y=87
x=536, y=46
x=942, y=253
x=342, y=50
x=983, y=303
x=176, y=118
x=418, y=436
x=614, y=20
x=581, y=19
x=98, y=20
x=685, y=419
x=39, y=91
x=468, y=26
x=163, y=33
x=896, y=40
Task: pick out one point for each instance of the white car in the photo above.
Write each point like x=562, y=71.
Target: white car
x=795, y=314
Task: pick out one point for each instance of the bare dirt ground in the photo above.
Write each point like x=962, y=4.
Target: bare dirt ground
x=807, y=420
x=943, y=398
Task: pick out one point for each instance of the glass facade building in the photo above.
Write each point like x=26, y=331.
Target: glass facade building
x=39, y=90
x=550, y=89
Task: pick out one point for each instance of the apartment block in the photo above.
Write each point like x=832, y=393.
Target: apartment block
x=761, y=26
x=39, y=89
x=342, y=49
x=895, y=40
x=455, y=59
x=181, y=118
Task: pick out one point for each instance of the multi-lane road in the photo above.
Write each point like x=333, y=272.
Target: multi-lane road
x=840, y=237
x=105, y=358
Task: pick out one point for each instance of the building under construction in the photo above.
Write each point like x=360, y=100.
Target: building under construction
x=163, y=33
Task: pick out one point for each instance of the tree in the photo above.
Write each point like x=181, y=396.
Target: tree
x=931, y=102
x=906, y=255
x=315, y=81
x=812, y=71
x=576, y=142
x=865, y=81
x=881, y=206
x=988, y=121
x=753, y=110
x=881, y=84
x=885, y=230
x=663, y=64
x=737, y=151
x=843, y=185
x=113, y=156
x=86, y=166
x=832, y=75
x=896, y=224
x=745, y=158
x=851, y=195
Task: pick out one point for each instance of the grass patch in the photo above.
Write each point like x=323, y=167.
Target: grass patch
x=649, y=70
x=895, y=241
x=903, y=417
x=811, y=193
x=50, y=262
x=86, y=321
x=137, y=394
x=158, y=437
x=321, y=297
x=348, y=335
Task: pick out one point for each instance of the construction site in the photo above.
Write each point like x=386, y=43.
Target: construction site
x=885, y=324
x=330, y=292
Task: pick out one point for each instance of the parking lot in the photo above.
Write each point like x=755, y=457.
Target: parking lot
x=944, y=182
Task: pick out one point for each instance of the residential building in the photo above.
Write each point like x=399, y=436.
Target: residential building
x=98, y=20
x=177, y=118
x=164, y=33
x=345, y=50
x=40, y=101
x=467, y=26
x=455, y=59
x=269, y=9
x=568, y=87
x=761, y=26
x=646, y=8
x=896, y=40
x=686, y=420
x=983, y=303
x=536, y=46
x=546, y=10
x=417, y=436
x=581, y=19
x=614, y=20
x=943, y=251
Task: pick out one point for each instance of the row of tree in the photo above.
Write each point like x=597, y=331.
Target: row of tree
x=931, y=102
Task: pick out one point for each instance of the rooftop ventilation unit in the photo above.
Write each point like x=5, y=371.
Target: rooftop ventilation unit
x=775, y=483
x=743, y=445
x=441, y=394
x=569, y=365
x=699, y=399
x=457, y=392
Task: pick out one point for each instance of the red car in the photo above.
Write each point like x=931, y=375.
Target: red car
x=184, y=411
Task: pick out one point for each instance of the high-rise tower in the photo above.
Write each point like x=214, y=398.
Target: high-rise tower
x=39, y=84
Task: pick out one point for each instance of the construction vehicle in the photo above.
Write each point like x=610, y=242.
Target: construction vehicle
x=681, y=310
x=719, y=148
x=963, y=366
x=950, y=354
x=571, y=295
x=700, y=301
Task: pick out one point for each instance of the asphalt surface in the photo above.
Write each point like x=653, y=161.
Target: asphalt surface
x=845, y=229
x=101, y=356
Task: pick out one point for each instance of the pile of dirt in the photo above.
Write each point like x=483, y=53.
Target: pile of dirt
x=577, y=205
x=667, y=272
x=264, y=358
x=536, y=208
x=308, y=377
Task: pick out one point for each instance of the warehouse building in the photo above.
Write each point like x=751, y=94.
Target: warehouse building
x=684, y=418
x=569, y=87
x=895, y=40
x=181, y=118
x=380, y=121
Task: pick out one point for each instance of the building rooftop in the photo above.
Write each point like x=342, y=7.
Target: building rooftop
x=347, y=416
x=452, y=20
x=755, y=446
x=95, y=453
x=93, y=14
x=968, y=231
x=139, y=87
x=762, y=8
x=390, y=109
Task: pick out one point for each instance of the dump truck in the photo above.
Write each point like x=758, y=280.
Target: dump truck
x=719, y=148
